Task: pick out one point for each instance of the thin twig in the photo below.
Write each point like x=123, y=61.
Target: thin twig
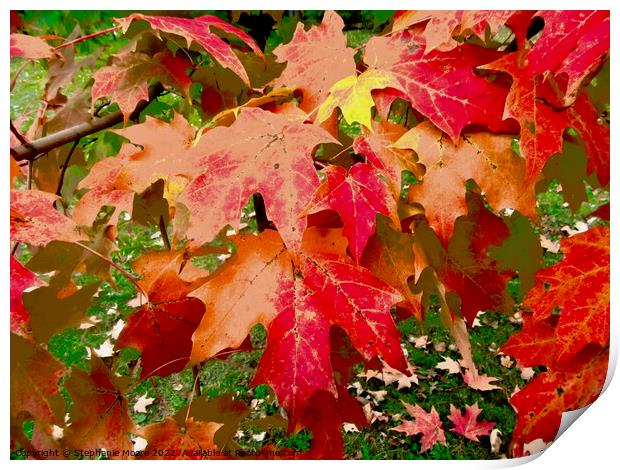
x=29, y=180
x=164, y=232
x=346, y=149
x=17, y=134
x=64, y=167
x=17, y=73
x=119, y=268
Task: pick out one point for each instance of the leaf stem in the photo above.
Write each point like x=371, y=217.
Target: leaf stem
x=88, y=36
x=197, y=384
x=195, y=388
x=116, y=266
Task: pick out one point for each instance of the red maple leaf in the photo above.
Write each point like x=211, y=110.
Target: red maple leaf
x=126, y=80
x=21, y=279
x=199, y=30
x=35, y=221
x=467, y=424
x=441, y=85
x=358, y=197
x=162, y=328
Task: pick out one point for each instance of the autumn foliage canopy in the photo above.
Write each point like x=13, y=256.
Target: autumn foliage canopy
x=383, y=180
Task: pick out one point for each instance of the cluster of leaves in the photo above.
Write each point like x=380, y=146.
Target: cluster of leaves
x=323, y=191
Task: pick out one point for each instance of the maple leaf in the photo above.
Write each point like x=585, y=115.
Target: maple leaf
x=316, y=60
x=322, y=418
x=242, y=293
x=142, y=402
x=427, y=424
x=465, y=267
x=21, y=279
x=535, y=344
x=478, y=21
x=353, y=96
x=389, y=255
x=107, y=186
x=440, y=25
x=162, y=328
x=573, y=43
x=98, y=423
x=34, y=384
x=62, y=71
x=478, y=381
x=224, y=409
x=126, y=81
x=486, y=158
x=584, y=117
x=376, y=147
x=190, y=440
x=363, y=318
x=357, y=197
x=443, y=25
x=58, y=305
x=467, y=424
x=199, y=30
x=450, y=365
x=35, y=221
x=388, y=375
x=579, y=284
x=541, y=403
x=296, y=362
x=543, y=125
x=274, y=157
x=151, y=156
x=442, y=86
x=300, y=298
x=30, y=47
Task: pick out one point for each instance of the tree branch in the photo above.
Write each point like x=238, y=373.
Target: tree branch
x=52, y=141
x=18, y=134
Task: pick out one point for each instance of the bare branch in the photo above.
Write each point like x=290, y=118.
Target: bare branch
x=52, y=141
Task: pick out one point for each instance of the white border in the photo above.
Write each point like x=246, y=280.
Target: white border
x=592, y=443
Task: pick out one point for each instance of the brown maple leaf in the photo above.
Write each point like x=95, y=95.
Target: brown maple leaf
x=486, y=158
x=99, y=423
